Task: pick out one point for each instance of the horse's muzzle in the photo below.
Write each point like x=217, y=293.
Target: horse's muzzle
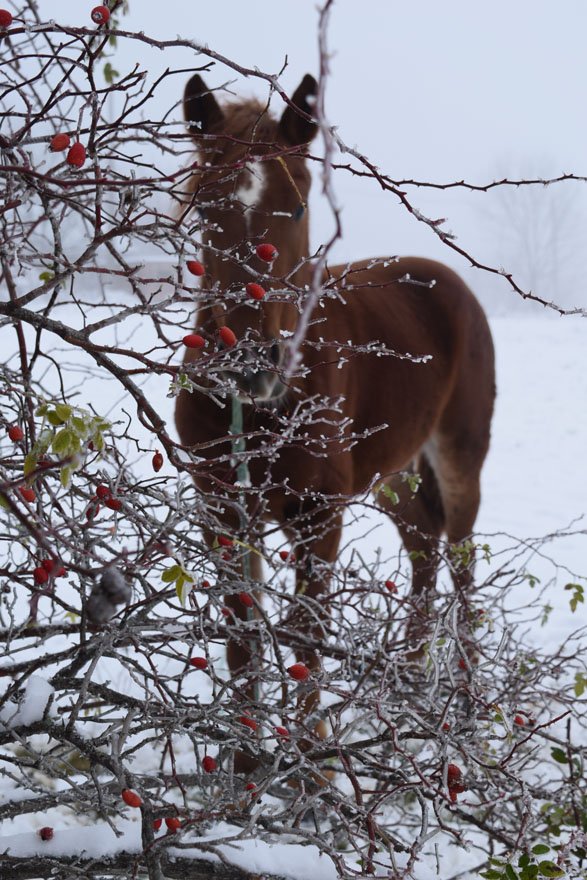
x=257, y=376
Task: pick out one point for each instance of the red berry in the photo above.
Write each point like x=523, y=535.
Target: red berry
x=226, y=612
x=76, y=155
x=16, y=433
x=250, y=786
x=92, y=511
x=462, y=663
x=446, y=726
x=246, y=599
x=45, y=833
x=40, y=575
x=157, y=461
x=113, y=503
x=194, y=340
x=453, y=774
x=519, y=720
x=48, y=565
x=199, y=662
x=248, y=722
x=173, y=823
x=131, y=798
x=61, y=572
x=266, y=252
x=224, y=541
x=100, y=14
x=209, y=764
x=205, y=585
x=390, y=585
x=102, y=491
x=255, y=291
x=59, y=142
x=27, y=494
x=287, y=557
x=282, y=731
x=195, y=267
x=5, y=18
x=227, y=336
x=299, y=672
x=157, y=824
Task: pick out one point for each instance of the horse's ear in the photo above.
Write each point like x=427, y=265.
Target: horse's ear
x=293, y=128
x=200, y=106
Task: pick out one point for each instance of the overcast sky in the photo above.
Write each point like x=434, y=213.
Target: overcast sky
x=435, y=91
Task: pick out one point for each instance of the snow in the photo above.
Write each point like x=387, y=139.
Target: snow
x=31, y=708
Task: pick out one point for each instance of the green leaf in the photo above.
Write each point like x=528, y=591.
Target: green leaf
x=30, y=463
x=80, y=426
x=560, y=756
x=64, y=411
x=109, y=73
x=549, y=869
x=65, y=476
x=491, y=874
x=510, y=873
x=524, y=861
x=171, y=574
x=182, y=587
x=46, y=276
x=54, y=419
x=541, y=848
x=63, y=442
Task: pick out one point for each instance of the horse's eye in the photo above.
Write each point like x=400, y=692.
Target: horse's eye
x=276, y=353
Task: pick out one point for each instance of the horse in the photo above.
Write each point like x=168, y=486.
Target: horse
x=427, y=412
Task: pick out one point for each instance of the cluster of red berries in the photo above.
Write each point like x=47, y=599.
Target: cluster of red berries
x=45, y=570
x=173, y=823
x=454, y=774
x=104, y=495
x=76, y=154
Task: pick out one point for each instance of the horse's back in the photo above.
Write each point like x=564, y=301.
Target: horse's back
x=423, y=309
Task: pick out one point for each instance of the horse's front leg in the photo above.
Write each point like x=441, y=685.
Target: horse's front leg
x=317, y=539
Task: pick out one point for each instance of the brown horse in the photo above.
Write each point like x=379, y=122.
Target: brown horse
x=433, y=410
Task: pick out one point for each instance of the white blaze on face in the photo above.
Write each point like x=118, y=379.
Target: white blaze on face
x=250, y=191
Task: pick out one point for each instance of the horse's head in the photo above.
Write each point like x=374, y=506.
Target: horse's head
x=251, y=187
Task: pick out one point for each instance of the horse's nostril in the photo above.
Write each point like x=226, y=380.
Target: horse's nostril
x=276, y=353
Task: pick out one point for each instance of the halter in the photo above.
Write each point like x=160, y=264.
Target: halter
x=299, y=211
x=243, y=476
